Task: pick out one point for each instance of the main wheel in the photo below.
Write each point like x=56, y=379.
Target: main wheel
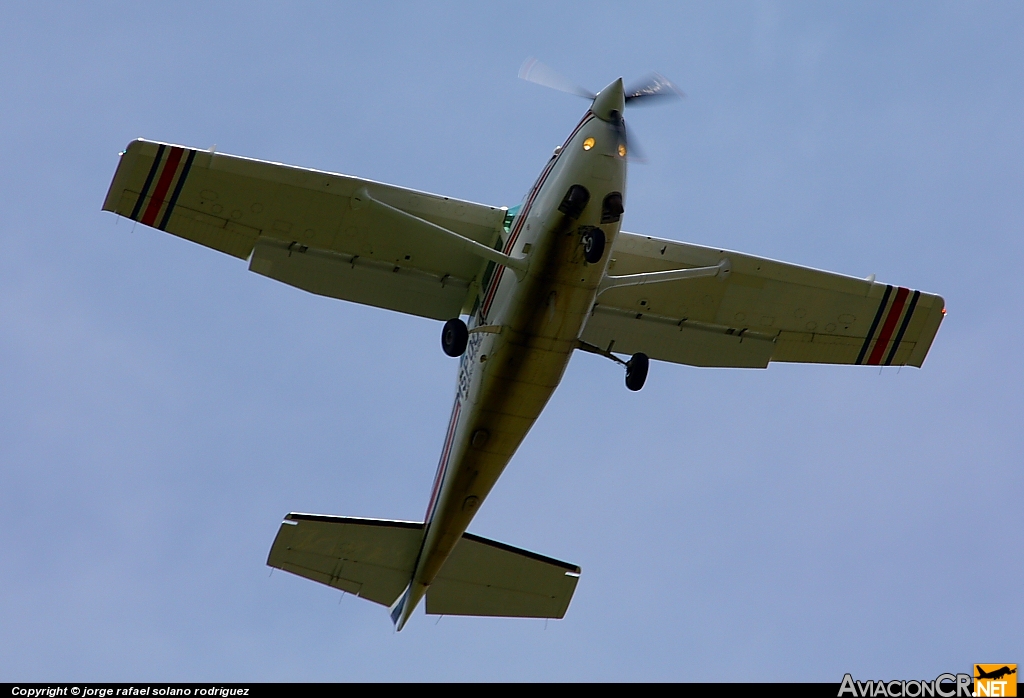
x=593, y=245
x=454, y=337
x=636, y=371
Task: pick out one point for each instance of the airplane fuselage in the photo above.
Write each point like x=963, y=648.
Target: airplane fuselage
x=521, y=338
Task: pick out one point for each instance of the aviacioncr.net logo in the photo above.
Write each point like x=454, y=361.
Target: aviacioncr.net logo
x=995, y=680
x=943, y=686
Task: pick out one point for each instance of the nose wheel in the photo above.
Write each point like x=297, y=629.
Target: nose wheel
x=593, y=245
x=636, y=371
x=454, y=337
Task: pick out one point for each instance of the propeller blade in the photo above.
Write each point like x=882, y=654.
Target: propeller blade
x=535, y=71
x=633, y=150
x=624, y=137
x=655, y=85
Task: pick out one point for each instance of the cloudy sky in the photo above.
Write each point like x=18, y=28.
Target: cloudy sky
x=161, y=408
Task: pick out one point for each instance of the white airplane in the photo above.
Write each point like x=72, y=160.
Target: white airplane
x=535, y=283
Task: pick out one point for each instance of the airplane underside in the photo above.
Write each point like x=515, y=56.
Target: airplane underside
x=535, y=283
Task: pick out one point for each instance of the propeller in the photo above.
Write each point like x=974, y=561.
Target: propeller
x=624, y=135
x=533, y=70
x=655, y=88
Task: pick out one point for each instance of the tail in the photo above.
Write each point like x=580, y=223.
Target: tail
x=375, y=559
x=399, y=606
x=403, y=607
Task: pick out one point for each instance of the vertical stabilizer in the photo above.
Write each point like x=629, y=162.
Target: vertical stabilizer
x=406, y=604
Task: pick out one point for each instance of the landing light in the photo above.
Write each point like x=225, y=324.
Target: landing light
x=588, y=143
x=622, y=150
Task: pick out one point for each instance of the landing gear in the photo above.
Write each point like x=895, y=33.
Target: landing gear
x=455, y=337
x=636, y=367
x=593, y=245
x=636, y=371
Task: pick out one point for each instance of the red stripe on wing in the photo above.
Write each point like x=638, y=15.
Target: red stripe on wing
x=890, y=325
x=162, y=186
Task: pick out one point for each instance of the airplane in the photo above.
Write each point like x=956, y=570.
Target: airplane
x=995, y=674
x=519, y=291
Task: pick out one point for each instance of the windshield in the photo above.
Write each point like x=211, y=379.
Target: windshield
x=510, y=216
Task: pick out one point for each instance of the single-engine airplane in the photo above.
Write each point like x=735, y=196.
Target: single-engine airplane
x=534, y=283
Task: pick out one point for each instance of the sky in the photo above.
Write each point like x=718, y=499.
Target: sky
x=161, y=408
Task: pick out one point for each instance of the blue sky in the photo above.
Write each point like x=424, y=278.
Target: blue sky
x=161, y=408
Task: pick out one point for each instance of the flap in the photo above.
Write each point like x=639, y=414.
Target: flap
x=666, y=339
x=359, y=279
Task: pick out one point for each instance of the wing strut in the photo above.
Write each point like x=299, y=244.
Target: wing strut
x=606, y=353
x=518, y=265
x=655, y=277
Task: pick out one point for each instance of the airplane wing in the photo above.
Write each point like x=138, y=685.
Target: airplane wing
x=325, y=233
x=374, y=559
x=760, y=311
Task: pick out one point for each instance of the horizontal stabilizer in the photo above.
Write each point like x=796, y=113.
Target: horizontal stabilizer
x=371, y=558
x=487, y=578
x=375, y=559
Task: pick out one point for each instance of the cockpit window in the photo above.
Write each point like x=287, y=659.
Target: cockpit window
x=510, y=216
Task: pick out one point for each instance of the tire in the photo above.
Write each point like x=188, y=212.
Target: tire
x=636, y=371
x=593, y=245
x=454, y=337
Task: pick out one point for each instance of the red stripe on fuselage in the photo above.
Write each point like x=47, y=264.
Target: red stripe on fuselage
x=890, y=324
x=442, y=466
x=492, y=288
x=162, y=185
